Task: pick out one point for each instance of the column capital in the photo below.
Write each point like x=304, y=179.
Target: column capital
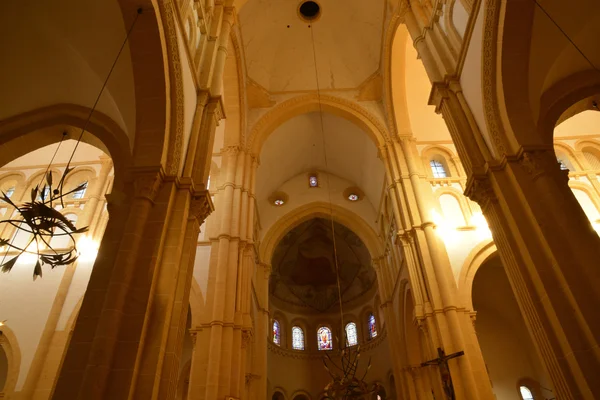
x=147, y=181
x=480, y=190
x=201, y=206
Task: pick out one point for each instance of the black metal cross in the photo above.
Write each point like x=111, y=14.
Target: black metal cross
x=442, y=363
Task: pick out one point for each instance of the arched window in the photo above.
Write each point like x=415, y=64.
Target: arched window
x=324, y=338
x=351, y=336
x=44, y=194
x=592, y=159
x=526, y=393
x=9, y=192
x=276, y=333
x=438, y=169
x=78, y=194
x=372, y=326
x=297, y=338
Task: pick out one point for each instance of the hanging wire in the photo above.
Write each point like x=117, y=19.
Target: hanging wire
x=565, y=34
x=138, y=13
x=335, y=257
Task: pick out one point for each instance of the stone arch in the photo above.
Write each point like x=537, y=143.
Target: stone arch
x=301, y=395
x=34, y=129
x=448, y=159
x=10, y=345
x=475, y=259
x=568, y=151
x=313, y=102
x=519, y=114
x=323, y=210
x=465, y=217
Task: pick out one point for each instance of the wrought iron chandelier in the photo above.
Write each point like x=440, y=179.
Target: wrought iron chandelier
x=39, y=218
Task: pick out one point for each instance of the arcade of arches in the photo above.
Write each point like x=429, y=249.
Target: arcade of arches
x=273, y=181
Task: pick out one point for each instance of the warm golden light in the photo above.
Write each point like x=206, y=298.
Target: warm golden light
x=30, y=255
x=443, y=228
x=2, y=323
x=87, y=249
x=481, y=225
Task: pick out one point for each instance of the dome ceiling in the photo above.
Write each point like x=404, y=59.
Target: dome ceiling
x=279, y=51
x=304, y=268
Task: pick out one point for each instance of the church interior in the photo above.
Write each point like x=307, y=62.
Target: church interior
x=300, y=200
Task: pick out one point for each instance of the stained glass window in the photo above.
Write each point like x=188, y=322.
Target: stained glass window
x=297, y=338
x=276, y=333
x=351, y=336
x=526, y=393
x=324, y=337
x=437, y=168
x=372, y=326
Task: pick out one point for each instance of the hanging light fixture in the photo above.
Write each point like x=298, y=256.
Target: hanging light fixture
x=346, y=382
x=39, y=218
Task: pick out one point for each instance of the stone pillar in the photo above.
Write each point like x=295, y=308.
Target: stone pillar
x=158, y=362
x=219, y=370
x=103, y=358
x=550, y=253
x=431, y=273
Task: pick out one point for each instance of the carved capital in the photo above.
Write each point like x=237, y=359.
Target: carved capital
x=480, y=190
x=246, y=338
x=201, y=206
x=147, y=184
x=250, y=377
x=532, y=162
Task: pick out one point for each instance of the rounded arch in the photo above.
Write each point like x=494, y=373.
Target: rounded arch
x=566, y=150
x=10, y=345
x=301, y=395
x=24, y=133
x=475, y=259
x=323, y=210
x=310, y=103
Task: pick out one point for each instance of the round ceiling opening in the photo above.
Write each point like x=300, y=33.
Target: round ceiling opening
x=309, y=10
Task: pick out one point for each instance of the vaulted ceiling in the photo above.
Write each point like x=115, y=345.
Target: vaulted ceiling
x=278, y=44
x=304, y=270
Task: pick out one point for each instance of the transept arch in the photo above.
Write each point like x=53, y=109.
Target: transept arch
x=311, y=103
x=322, y=210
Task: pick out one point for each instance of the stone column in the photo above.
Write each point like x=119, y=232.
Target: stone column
x=440, y=309
x=550, y=253
x=547, y=245
x=158, y=362
x=101, y=356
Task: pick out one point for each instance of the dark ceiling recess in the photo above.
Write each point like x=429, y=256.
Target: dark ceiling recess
x=310, y=10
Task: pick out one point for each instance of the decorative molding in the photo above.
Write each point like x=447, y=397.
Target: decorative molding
x=175, y=152
x=480, y=190
x=201, y=206
x=490, y=95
